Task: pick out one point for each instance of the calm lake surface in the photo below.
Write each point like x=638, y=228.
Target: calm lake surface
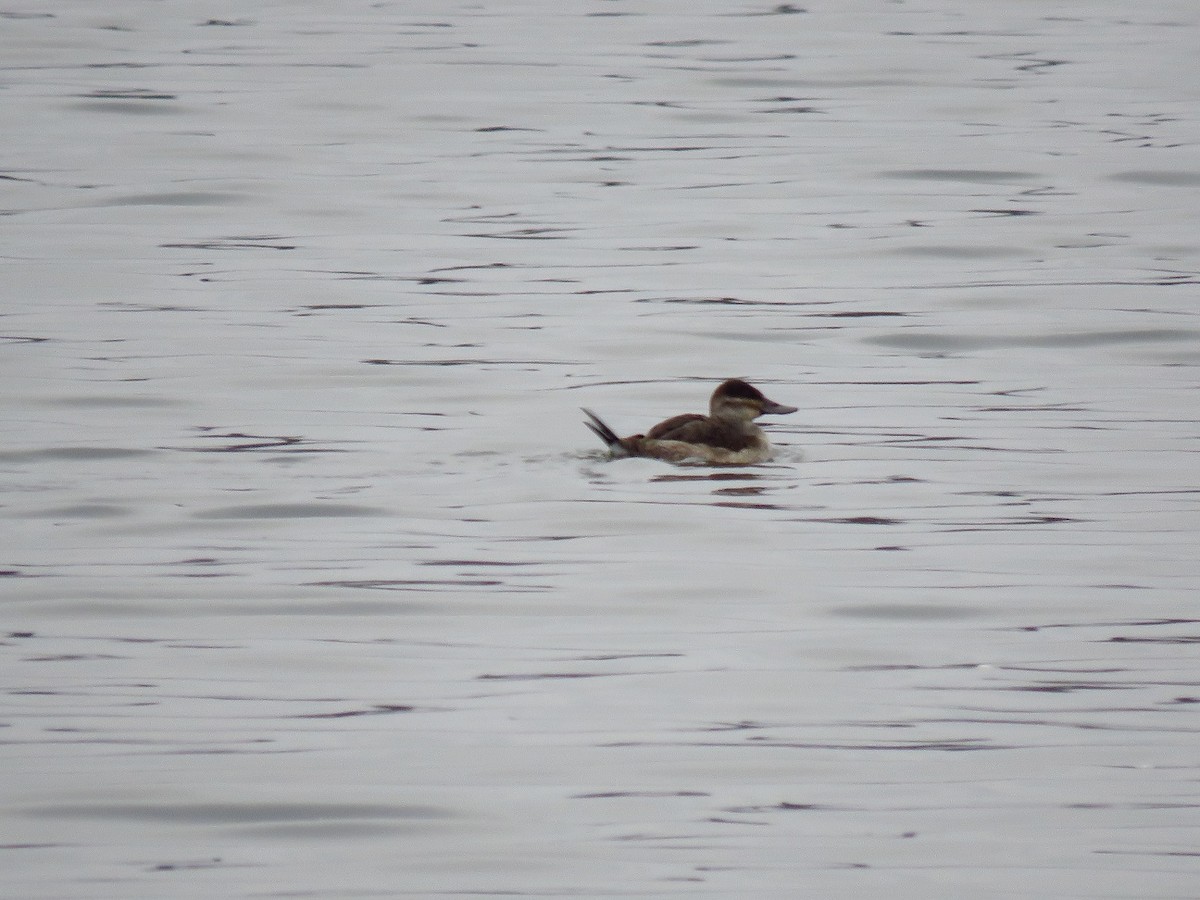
x=315, y=585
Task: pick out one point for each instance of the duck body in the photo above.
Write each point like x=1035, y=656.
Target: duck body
x=727, y=436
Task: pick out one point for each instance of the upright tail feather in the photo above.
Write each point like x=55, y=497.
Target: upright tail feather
x=602, y=431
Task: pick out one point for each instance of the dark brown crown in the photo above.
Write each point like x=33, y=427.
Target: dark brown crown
x=735, y=387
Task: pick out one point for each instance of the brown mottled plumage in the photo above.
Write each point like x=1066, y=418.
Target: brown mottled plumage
x=727, y=436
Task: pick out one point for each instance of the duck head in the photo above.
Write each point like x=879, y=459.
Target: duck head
x=738, y=401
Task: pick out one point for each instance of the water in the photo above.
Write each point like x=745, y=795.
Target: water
x=315, y=584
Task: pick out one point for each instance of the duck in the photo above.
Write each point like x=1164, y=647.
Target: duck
x=727, y=436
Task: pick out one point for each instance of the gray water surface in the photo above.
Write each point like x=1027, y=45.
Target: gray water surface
x=315, y=585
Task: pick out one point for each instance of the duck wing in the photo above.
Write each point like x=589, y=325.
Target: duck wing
x=696, y=429
x=689, y=427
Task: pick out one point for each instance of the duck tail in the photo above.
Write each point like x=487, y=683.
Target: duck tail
x=601, y=430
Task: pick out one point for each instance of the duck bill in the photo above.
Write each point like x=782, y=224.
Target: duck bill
x=770, y=407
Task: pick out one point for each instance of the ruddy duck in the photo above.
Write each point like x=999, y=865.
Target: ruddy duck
x=727, y=436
